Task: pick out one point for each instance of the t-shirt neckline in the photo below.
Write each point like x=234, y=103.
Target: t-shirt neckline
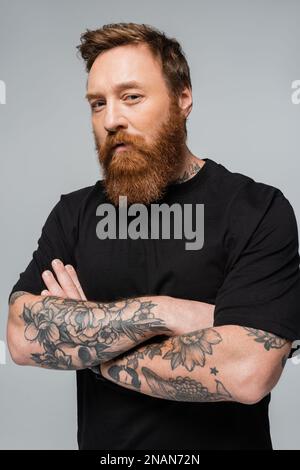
x=194, y=179
x=200, y=175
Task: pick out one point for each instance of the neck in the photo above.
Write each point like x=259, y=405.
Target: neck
x=191, y=166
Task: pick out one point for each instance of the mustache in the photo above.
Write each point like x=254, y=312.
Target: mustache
x=119, y=139
x=106, y=151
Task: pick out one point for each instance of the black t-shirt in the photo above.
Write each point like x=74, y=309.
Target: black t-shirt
x=248, y=267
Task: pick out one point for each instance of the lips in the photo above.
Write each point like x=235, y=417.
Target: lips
x=120, y=146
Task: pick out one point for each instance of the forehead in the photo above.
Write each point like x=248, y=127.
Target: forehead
x=132, y=62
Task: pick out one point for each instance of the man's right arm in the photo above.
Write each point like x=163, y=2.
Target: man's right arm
x=67, y=334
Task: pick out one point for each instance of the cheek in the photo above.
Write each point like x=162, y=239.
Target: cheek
x=148, y=116
x=147, y=125
x=98, y=130
x=96, y=123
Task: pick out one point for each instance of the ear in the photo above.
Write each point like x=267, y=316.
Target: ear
x=186, y=101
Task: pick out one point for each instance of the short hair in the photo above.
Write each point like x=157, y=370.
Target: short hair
x=174, y=65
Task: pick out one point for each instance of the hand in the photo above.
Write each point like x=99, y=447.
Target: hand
x=190, y=315
x=67, y=284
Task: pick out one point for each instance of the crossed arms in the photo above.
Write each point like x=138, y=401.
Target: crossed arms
x=185, y=359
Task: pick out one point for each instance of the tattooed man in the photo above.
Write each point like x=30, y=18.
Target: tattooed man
x=173, y=348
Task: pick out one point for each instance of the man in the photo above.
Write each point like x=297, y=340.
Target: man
x=174, y=348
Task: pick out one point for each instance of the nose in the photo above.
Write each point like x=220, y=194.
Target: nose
x=113, y=118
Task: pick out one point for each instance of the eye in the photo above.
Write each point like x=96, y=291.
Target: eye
x=134, y=96
x=95, y=104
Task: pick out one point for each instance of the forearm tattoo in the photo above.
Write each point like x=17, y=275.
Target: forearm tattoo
x=15, y=295
x=269, y=340
x=184, y=388
x=77, y=334
x=188, y=350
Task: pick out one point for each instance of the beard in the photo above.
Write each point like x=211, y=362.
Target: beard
x=143, y=171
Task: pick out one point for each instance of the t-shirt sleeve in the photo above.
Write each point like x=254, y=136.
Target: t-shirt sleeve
x=261, y=288
x=56, y=241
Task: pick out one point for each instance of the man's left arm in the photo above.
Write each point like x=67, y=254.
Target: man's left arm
x=225, y=363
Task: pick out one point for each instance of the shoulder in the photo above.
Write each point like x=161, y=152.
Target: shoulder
x=70, y=207
x=78, y=195
x=245, y=196
x=254, y=211
x=77, y=200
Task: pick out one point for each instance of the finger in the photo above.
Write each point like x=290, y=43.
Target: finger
x=45, y=292
x=65, y=280
x=52, y=284
x=72, y=272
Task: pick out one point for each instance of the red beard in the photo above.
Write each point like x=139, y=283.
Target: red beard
x=142, y=171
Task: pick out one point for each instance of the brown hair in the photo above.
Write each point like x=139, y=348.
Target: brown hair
x=174, y=64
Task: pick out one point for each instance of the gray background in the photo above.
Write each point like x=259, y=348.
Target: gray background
x=243, y=57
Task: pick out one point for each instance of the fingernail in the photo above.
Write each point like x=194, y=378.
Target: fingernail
x=56, y=262
x=47, y=273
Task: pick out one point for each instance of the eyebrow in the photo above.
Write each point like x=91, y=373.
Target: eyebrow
x=119, y=87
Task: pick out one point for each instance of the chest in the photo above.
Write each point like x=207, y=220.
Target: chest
x=109, y=269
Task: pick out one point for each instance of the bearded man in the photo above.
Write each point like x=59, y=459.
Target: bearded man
x=173, y=348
